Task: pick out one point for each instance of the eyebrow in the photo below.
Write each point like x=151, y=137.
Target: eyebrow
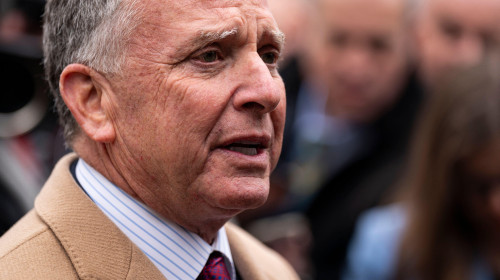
x=204, y=38
x=278, y=37
x=207, y=37
x=212, y=36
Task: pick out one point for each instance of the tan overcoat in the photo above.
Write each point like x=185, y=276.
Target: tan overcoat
x=66, y=236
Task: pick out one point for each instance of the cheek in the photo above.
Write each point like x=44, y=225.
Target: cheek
x=190, y=115
x=278, y=118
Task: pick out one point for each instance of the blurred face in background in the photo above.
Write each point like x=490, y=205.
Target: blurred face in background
x=291, y=16
x=366, y=56
x=454, y=33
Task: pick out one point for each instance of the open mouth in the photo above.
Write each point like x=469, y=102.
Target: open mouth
x=246, y=148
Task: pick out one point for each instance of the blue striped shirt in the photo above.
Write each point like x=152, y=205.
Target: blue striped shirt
x=176, y=252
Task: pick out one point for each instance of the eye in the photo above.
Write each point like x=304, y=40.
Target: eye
x=269, y=57
x=379, y=44
x=209, y=56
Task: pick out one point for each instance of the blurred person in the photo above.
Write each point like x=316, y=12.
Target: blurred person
x=367, y=56
x=372, y=100
x=446, y=224
x=292, y=17
x=13, y=26
x=175, y=111
x=447, y=34
x=450, y=33
x=20, y=29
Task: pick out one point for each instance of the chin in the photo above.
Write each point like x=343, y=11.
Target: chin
x=246, y=194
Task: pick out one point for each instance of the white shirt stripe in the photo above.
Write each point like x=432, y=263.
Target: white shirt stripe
x=176, y=252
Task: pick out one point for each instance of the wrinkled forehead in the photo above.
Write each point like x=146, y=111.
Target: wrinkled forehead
x=172, y=15
x=171, y=28
x=177, y=9
x=221, y=3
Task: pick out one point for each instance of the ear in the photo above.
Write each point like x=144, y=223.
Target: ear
x=83, y=90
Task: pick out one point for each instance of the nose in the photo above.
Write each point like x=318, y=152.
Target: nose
x=354, y=65
x=259, y=90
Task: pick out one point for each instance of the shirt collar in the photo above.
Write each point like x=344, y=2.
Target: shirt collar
x=176, y=252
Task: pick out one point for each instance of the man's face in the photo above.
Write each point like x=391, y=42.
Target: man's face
x=200, y=108
x=366, y=56
x=453, y=33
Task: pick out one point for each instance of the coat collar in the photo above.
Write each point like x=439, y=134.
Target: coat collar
x=96, y=247
x=99, y=250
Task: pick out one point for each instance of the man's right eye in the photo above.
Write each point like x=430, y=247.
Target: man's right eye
x=209, y=56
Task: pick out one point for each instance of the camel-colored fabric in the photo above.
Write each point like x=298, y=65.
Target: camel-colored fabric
x=66, y=236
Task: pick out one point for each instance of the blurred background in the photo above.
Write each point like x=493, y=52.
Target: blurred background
x=30, y=141
x=358, y=75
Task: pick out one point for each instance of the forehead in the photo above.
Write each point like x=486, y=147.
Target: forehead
x=171, y=25
x=362, y=14
x=469, y=12
x=171, y=13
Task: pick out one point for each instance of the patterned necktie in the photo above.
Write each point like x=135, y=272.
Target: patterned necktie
x=215, y=268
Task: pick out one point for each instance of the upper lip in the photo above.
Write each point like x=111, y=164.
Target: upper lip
x=262, y=141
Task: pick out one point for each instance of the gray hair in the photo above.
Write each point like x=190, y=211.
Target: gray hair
x=91, y=32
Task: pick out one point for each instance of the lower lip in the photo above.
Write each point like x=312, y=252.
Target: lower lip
x=260, y=160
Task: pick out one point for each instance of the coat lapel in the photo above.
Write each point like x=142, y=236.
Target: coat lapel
x=96, y=247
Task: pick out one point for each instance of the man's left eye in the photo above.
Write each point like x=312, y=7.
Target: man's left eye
x=269, y=57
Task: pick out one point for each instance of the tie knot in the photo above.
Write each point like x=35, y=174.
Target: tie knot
x=215, y=268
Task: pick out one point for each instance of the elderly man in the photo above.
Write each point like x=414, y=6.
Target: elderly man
x=175, y=110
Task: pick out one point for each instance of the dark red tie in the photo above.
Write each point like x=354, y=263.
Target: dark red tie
x=215, y=268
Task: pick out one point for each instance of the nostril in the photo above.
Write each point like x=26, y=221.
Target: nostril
x=253, y=106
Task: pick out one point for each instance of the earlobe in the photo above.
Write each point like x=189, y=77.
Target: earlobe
x=83, y=90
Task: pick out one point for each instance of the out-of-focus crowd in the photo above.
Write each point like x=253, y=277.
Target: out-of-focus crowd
x=30, y=142
x=390, y=166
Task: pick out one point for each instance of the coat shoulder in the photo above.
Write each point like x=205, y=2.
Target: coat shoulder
x=30, y=250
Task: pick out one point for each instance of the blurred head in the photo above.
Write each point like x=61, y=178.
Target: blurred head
x=188, y=115
x=366, y=55
x=291, y=16
x=451, y=33
x=453, y=175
